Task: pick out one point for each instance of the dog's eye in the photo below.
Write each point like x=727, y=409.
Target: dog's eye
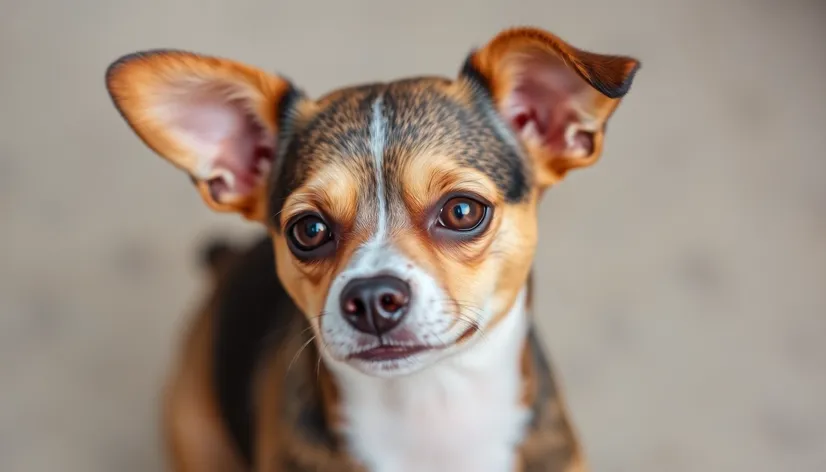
x=462, y=214
x=308, y=235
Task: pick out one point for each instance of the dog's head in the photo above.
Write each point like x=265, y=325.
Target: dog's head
x=403, y=214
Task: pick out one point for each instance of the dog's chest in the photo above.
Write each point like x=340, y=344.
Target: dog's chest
x=466, y=427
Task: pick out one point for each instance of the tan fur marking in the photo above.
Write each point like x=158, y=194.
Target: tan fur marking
x=332, y=191
x=139, y=84
x=492, y=59
x=438, y=136
x=195, y=437
x=500, y=61
x=467, y=270
x=277, y=447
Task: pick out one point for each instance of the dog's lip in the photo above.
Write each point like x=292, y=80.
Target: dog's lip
x=384, y=353
x=388, y=352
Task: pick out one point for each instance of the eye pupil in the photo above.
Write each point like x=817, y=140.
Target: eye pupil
x=310, y=233
x=462, y=214
x=314, y=228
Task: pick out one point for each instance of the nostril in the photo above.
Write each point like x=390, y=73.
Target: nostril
x=375, y=305
x=354, y=306
x=391, y=302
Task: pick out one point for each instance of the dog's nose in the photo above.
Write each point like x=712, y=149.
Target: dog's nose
x=375, y=305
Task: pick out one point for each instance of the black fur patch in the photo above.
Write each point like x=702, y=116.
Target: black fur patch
x=419, y=115
x=547, y=416
x=470, y=73
x=254, y=313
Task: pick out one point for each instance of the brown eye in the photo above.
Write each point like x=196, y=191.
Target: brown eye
x=462, y=214
x=309, y=233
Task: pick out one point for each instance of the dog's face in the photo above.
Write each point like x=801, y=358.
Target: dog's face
x=403, y=214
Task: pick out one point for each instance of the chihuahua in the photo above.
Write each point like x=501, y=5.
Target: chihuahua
x=383, y=324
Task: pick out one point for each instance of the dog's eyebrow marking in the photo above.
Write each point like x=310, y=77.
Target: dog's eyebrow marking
x=378, y=137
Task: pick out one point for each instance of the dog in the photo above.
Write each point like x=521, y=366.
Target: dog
x=383, y=321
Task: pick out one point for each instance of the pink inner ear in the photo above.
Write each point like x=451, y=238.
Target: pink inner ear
x=542, y=106
x=232, y=149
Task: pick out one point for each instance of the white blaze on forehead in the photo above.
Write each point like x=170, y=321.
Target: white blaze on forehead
x=377, y=140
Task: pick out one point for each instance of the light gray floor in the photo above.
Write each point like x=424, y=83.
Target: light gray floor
x=682, y=279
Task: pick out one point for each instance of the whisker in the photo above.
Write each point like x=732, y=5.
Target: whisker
x=476, y=326
x=308, y=328
x=461, y=309
x=441, y=341
x=300, y=350
x=318, y=363
x=466, y=306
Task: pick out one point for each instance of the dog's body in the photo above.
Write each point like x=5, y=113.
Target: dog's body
x=396, y=335
x=242, y=349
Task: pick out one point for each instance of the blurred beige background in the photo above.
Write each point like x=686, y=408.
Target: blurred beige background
x=682, y=280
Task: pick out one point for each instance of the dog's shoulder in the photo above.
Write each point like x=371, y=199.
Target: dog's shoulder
x=252, y=315
x=550, y=441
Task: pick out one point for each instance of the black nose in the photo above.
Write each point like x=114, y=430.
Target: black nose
x=375, y=305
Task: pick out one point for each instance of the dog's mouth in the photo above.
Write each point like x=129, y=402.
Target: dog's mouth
x=385, y=353
x=391, y=353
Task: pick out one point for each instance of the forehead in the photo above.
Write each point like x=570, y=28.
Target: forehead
x=390, y=125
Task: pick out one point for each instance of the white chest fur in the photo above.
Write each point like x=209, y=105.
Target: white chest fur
x=460, y=415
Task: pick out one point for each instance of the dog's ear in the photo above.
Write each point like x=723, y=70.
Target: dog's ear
x=216, y=119
x=557, y=98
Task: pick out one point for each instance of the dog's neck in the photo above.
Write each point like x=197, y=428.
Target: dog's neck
x=467, y=408
x=465, y=413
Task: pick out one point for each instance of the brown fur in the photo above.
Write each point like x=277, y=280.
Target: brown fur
x=421, y=159
x=291, y=378
x=441, y=136
x=195, y=437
